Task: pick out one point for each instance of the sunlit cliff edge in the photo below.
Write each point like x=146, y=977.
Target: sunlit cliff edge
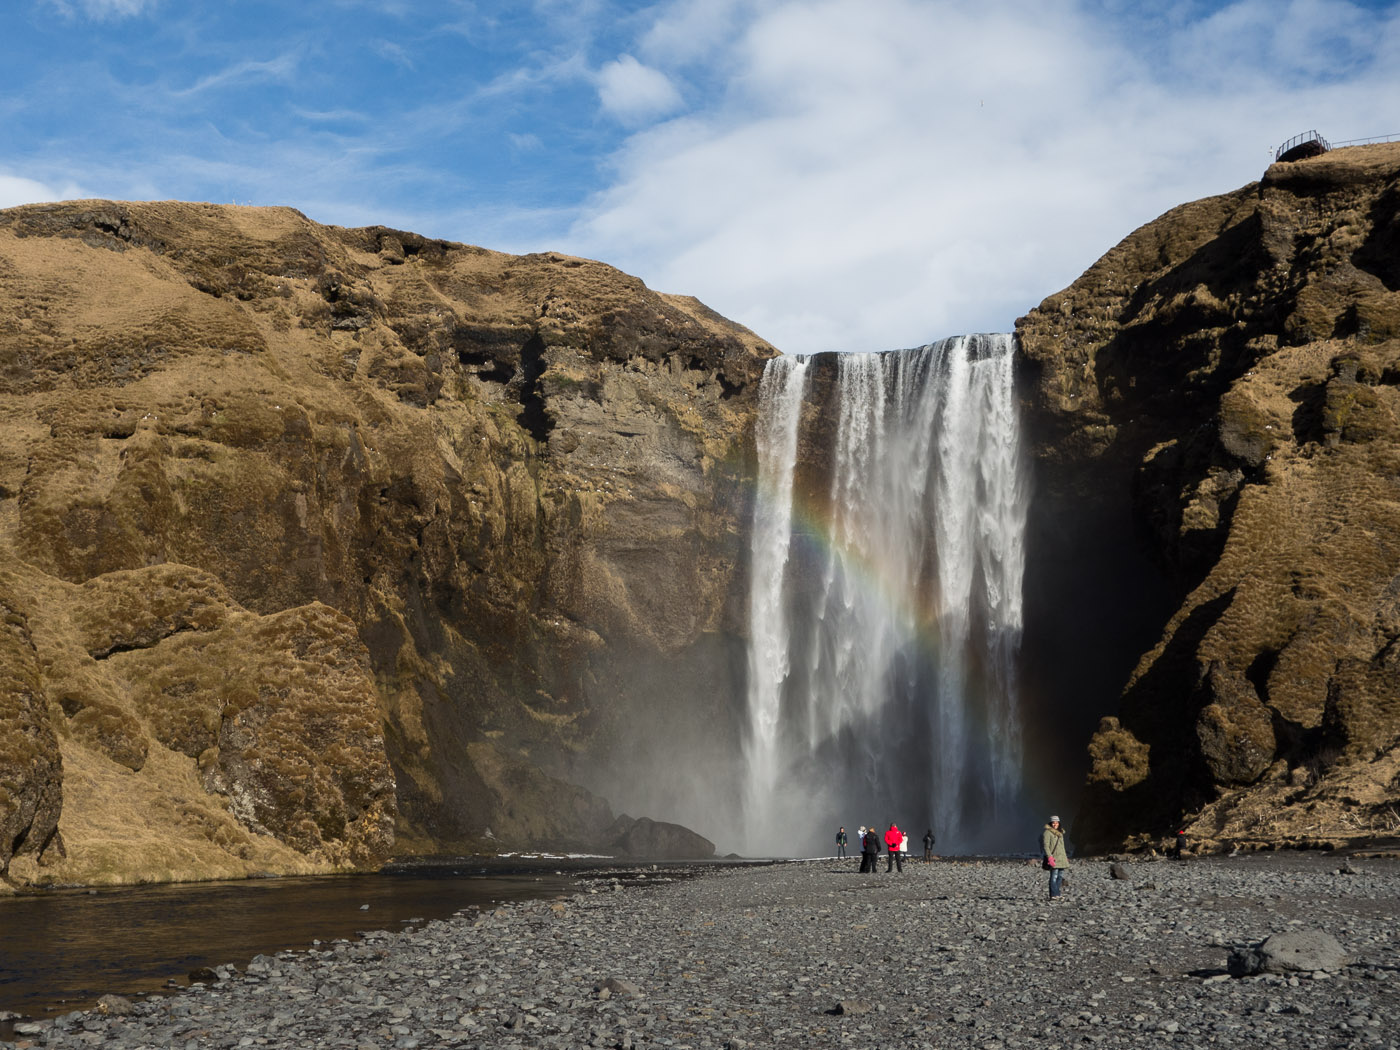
x=1224, y=386
x=320, y=544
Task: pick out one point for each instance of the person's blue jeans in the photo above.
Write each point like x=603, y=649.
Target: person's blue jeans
x=1056, y=875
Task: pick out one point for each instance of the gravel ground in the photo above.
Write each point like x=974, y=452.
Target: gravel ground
x=811, y=953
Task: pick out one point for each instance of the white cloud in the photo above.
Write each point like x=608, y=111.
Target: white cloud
x=16, y=190
x=1258, y=40
x=632, y=92
x=882, y=174
x=691, y=30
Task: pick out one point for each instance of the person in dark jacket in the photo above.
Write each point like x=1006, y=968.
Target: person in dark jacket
x=894, y=838
x=928, y=845
x=841, y=842
x=869, y=851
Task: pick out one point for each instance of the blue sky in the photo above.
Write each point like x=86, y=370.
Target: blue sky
x=835, y=174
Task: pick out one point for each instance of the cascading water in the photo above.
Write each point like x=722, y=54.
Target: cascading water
x=885, y=609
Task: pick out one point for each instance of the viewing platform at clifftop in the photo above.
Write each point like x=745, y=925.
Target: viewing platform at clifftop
x=1312, y=144
x=1300, y=147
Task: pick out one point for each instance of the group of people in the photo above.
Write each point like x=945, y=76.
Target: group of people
x=896, y=841
x=1054, y=858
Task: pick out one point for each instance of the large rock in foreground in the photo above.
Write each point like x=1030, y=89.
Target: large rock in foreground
x=328, y=536
x=1231, y=374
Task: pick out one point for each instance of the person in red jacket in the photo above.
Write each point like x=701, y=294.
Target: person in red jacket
x=893, y=839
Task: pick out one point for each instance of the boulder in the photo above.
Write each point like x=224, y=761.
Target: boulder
x=1297, y=951
x=657, y=840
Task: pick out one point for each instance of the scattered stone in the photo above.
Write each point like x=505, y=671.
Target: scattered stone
x=1298, y=951
x=804, y=955
x=851, y=1008
x=611, y=986
x=1120, y=872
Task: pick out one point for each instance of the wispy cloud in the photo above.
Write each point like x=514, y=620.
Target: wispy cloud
x=103, y=10
x=394, y=53
x=331, y=116
x=281, y=68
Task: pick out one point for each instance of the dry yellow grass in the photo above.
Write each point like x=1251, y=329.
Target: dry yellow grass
x=292, y=500
x=1240, y=358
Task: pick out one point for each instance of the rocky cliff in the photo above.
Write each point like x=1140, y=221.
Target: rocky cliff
x=1222, y=389
x=317, y=543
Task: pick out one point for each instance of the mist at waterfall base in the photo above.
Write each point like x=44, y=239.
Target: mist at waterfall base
x=887, y=555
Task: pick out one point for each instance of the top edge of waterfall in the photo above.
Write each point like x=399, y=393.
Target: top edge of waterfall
x=981, y=345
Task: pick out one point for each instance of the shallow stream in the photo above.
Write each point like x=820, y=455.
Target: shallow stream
x=60, y=951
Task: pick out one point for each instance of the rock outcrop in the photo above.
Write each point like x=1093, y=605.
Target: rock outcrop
x=1223, y=387
x=321, y=542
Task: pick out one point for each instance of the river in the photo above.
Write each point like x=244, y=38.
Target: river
x=61, y=950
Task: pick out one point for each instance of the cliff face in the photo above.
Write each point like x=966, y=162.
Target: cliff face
x=313, y=537
x=1230, y=375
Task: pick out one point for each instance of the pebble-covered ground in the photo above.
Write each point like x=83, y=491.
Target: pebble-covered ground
x=947, y=954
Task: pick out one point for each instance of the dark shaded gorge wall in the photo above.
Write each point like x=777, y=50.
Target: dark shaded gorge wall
x=1229, y=374
x=1094, y=602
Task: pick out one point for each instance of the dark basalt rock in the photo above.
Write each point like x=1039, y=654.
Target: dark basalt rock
x=657, y=840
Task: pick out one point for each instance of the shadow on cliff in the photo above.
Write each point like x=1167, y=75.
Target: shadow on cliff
x=1160, y=708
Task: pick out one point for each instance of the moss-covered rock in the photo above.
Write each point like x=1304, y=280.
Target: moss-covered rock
x=233, y=442
x=1237, y=359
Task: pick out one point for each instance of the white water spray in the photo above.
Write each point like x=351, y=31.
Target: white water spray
x=886, y=608
x=780, y=413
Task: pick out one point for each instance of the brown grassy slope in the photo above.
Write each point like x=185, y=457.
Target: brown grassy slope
x=340, y=498
x=1239, y=358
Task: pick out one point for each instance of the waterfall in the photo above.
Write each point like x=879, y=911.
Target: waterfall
x=780, y=413
x=885, y=601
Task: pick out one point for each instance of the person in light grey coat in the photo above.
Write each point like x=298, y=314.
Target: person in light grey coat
x=1053, y=855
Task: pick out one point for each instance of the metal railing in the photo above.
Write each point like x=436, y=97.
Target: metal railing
x=1303, y=139
x=1368, y=142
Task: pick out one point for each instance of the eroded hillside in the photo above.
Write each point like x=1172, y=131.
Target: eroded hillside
x=316, y=537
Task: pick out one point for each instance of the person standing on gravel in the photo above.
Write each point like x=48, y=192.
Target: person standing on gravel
x=1054, y=857
x=928, y=845
x=841, y=842
x=894, y=838
x=869, y=850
